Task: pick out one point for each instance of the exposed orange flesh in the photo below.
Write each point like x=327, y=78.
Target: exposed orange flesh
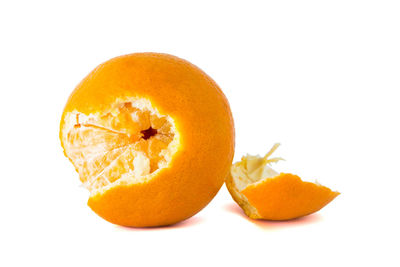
x=104, y=147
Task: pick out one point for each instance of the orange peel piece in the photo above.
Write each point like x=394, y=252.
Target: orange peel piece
x=263, y=193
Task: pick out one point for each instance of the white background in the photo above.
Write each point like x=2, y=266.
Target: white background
x=321, y=77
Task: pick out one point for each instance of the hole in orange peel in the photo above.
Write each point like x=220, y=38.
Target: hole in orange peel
x=129, y=142
x=263, y=193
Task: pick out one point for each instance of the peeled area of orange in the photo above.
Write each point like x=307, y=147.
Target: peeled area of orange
x=151, y=137
x=263, y=193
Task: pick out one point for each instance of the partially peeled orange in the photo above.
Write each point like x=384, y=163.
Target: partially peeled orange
x=151, y=137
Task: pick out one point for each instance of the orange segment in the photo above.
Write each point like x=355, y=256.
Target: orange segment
x=265, y=194
x=151, y=137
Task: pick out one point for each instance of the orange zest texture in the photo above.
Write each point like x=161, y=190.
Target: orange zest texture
x=263, y=193
x=151, y=137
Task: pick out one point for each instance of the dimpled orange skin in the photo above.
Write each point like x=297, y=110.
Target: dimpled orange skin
x=286, y=197
x=202, y=117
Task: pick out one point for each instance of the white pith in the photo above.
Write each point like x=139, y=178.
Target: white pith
x=140, y=172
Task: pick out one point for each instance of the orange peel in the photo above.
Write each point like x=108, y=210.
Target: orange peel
x=263, y=193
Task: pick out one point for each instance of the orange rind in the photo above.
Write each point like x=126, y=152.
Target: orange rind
x=151, y=137
x=263, y=193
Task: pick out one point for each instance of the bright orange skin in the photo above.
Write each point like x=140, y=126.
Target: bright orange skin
x=286, y=197
x=202, y=117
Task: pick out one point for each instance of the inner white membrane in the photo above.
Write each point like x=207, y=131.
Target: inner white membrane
x=129, y=142
x=251, y=170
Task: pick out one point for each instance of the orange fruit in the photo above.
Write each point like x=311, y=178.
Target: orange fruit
x=151, y=136
x=263, y=193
